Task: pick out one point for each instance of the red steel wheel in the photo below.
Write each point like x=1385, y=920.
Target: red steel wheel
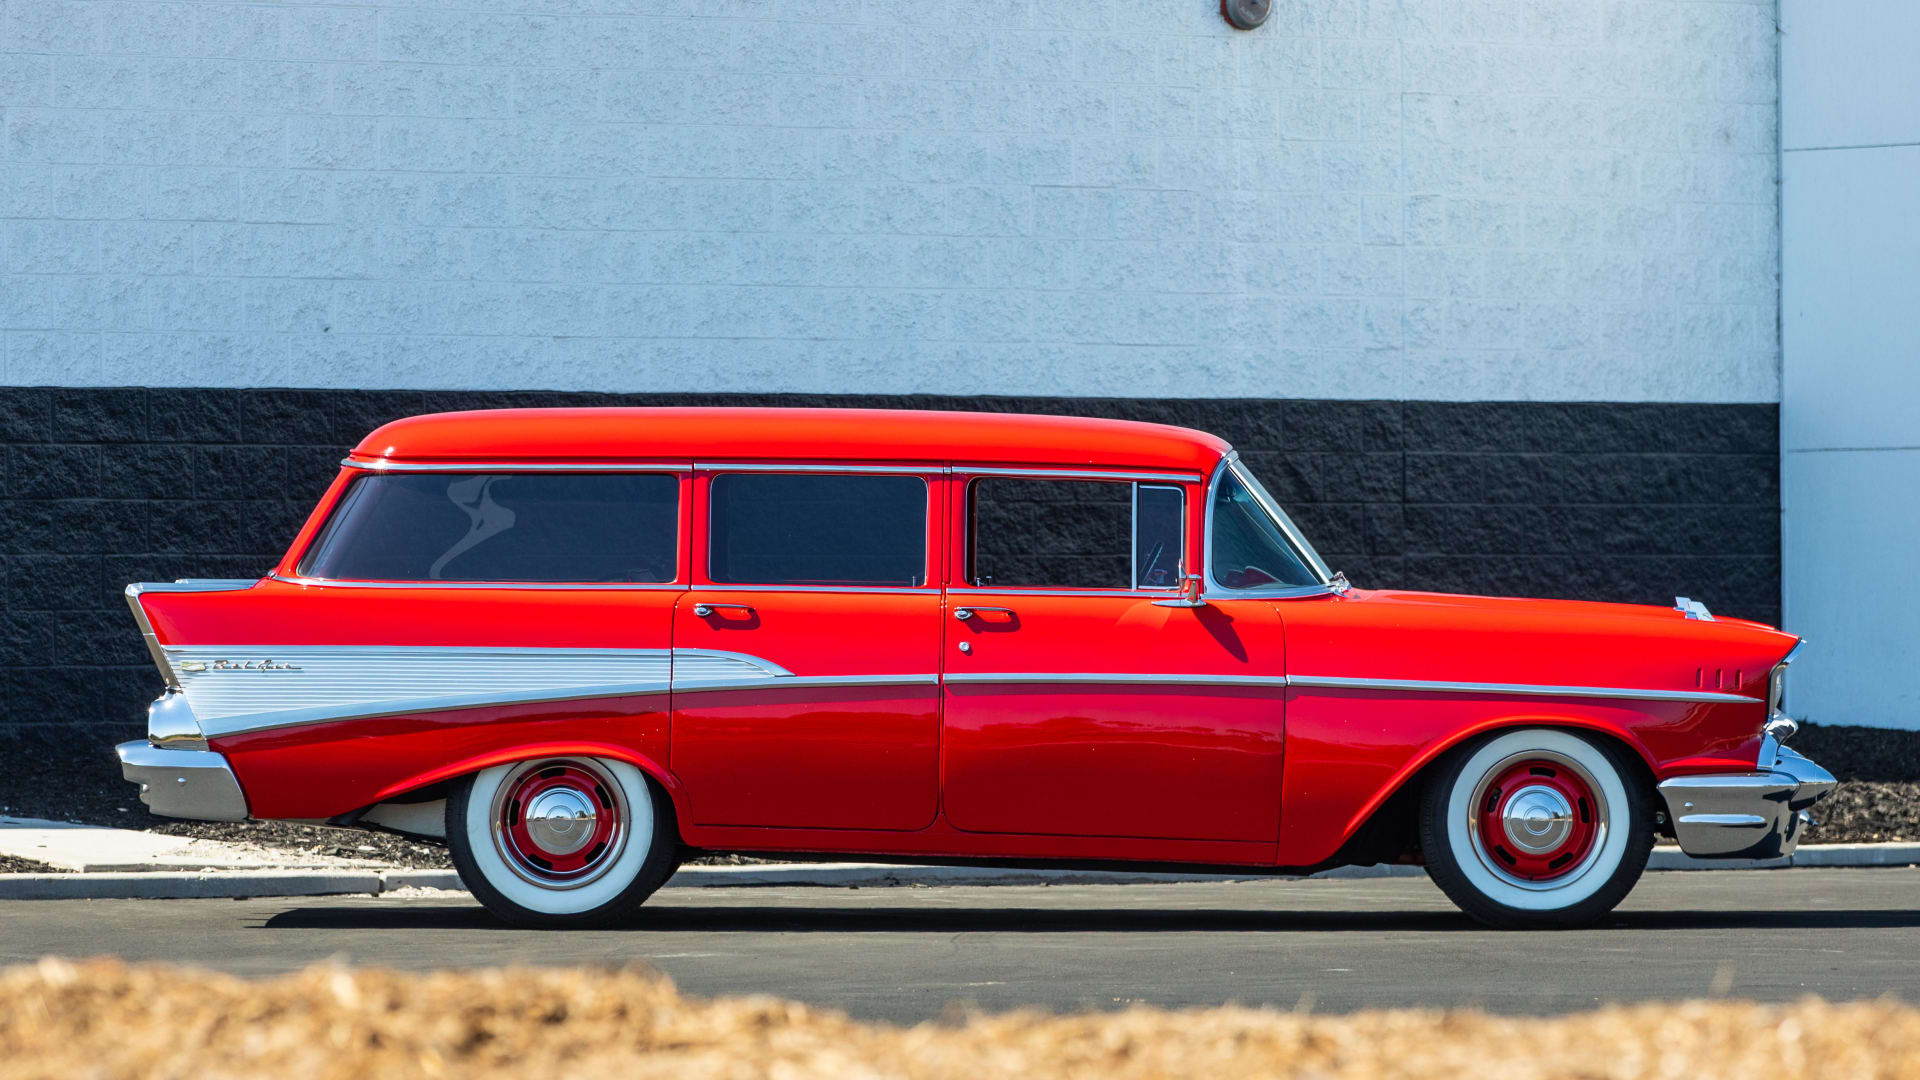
x=1536, y=818
x=559, y=824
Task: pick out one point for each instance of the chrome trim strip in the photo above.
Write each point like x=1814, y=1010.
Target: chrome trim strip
x=383, y=465
x=1085, y=594
x=1115, y=678
x=887, y=590
x=154, y=649
x=550, y=586
x=268, y=721
x=1077, y=474
x=1333, y=682
x=805, y=467
x=800, y=682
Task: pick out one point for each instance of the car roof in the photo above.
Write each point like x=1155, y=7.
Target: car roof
x=775, y=434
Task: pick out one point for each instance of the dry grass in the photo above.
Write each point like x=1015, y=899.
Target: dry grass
x=106, y=1019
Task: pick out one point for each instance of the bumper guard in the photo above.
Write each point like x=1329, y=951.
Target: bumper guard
x=1758, y=815
x=195, y=784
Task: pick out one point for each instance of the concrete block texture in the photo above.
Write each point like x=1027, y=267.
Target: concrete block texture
x=1634, y=502
x=1374, y=199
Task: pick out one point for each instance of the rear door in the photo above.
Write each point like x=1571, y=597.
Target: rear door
x=806, y=655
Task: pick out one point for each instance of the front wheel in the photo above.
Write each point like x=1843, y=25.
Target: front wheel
x=1536, y=828
x=558, y=842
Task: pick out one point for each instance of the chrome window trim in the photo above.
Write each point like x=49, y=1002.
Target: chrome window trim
x=154, y=649
x=383, y=465
x=1133, y=537
x=926, y=522
x=1116, y=678
x=806, y=467
x=1230, y=462
x=1089, y=594
x=884, y=590
x=552, y=586
x=1335, y=682
x=1078, y=474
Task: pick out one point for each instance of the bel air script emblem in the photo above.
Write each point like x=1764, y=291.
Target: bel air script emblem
x=239, y=665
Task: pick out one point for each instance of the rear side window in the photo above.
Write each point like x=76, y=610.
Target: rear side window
x=817, y=529
x=1075, y=534
x=563, y=527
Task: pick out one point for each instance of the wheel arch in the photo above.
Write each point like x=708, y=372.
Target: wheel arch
x=651, y=769
x=1376, y=822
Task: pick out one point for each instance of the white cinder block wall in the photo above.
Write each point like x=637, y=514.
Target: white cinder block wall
x=1438, y=199
x=1850, y=415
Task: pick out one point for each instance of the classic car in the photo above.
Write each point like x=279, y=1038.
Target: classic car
x=582, y=645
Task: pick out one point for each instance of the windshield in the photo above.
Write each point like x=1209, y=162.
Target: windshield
x=1254, y=544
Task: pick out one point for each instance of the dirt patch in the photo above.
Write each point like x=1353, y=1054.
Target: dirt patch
x=14, y=864
x=105, y=1019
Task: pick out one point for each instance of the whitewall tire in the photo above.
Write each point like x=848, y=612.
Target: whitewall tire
x=1537, y=827
x=561, y=841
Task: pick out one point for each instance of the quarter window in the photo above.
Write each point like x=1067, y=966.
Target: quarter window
x=1075, y=534
x=564, y=527
x=817, y=529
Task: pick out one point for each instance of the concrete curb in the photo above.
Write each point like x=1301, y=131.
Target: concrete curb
x=247, y=884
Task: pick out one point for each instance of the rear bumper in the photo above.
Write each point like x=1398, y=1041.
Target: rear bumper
x=194, y=784
x=1758, y=815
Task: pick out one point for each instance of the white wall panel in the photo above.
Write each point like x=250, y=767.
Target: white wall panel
x=1853, y=585
x=1849, y=73
x=1457, y=199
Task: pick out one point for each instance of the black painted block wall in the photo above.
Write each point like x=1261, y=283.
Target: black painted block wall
x=1631, y=502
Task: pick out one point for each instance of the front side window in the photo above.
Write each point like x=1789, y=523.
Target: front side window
x=820, y=529
x=1251, y=547
x=561, y=527
x=1075, y=534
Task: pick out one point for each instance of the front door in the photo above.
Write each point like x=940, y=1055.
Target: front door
x=1078, y=706
x=806, y=655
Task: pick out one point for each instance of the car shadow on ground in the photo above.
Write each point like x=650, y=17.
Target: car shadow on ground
x=1013, y=920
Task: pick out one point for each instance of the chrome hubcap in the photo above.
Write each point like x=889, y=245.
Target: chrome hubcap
x=560, y=820
x=1537, y=818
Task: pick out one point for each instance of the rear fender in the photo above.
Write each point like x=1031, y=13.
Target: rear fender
x=465, y=766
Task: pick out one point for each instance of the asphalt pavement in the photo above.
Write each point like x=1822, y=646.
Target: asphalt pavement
x=911, y=954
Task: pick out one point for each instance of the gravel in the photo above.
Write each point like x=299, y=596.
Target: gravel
x=102, y=1018
x=13, y=864
x=1878, y=798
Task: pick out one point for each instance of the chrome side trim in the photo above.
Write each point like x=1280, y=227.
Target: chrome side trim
x=818, y=467
x=1114, y=678
x=798, y=682
x=885, y=590
x=549, y=586
x=283, y=718
x=383, y=465
x=1077, y=474
x=721, y=664
x=147, y=635
x=194, y=784
x=1334, y=682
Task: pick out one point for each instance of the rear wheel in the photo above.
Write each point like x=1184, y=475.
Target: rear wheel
x=1536, y=828
x=565, y=841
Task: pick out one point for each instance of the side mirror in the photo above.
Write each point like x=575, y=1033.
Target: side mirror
x=1190, y=596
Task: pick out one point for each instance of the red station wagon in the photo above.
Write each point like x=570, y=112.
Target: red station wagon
x=580, y=645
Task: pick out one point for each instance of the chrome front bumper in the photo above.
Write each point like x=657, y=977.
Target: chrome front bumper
x=183, y=783
x=1758, y=815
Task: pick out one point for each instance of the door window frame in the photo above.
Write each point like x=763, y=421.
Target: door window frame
x=961, y=538
x=700, y=526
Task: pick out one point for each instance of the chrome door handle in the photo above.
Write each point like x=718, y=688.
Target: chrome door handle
x=965, y=613
x=704, y=610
